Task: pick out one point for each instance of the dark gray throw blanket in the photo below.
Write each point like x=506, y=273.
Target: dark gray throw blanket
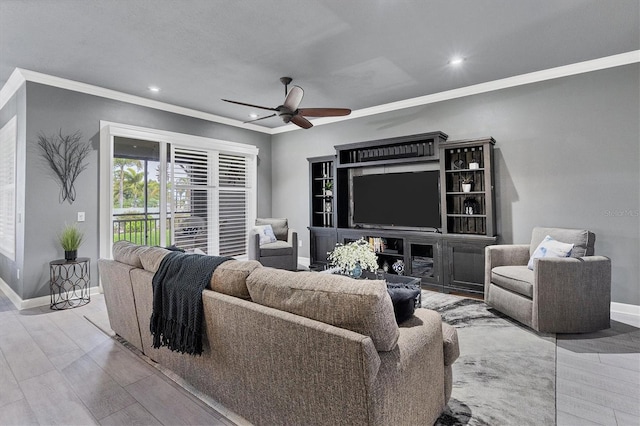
x=178, y=312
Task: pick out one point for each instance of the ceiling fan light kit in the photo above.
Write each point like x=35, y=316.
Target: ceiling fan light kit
x=289, y=111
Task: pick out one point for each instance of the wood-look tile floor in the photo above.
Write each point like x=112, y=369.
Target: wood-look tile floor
x=598, y=375
x=58, y=368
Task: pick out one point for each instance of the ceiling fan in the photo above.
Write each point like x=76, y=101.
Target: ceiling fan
x=289, y=111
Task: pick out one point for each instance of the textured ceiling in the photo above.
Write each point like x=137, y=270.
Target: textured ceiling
x=354, y=54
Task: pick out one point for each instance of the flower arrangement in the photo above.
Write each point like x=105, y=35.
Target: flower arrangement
x=347, y=256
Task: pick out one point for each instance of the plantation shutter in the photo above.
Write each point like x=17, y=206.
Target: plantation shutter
x=8, y=138
x=233, y=205
x=193, y=199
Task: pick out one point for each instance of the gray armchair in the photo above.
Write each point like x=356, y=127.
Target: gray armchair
x=560, y=295
x=281, y=254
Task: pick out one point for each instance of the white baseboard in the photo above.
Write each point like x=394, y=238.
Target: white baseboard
x=12, y=295
x=21, y=304
x=304, y=261
x=624, y=308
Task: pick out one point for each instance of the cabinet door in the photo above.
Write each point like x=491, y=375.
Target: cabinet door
x=424, y=261
x=465, y=266
x=322, y=241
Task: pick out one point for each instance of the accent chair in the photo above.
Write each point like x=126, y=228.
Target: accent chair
x=281, y=253
x=559, y=294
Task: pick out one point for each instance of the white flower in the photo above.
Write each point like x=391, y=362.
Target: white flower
x=346, y=256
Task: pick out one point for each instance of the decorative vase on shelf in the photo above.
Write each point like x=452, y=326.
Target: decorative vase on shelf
x=474, y=165
x=398, y=267
x=466, y=187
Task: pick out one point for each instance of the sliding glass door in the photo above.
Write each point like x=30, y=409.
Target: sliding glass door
x=176, y=191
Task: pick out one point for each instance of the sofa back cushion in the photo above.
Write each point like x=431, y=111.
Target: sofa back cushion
x=363, y=306
x=151, y=257
x=583, y=241
x=280, y=227
x=228, y=278
x=231, y=277
x=128, y=253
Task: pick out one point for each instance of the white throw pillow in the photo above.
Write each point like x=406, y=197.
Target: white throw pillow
x=266, y=234
x=550, y=248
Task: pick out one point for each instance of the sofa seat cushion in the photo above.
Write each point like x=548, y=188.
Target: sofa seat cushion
x=279, y=248
x=231, y=277
x=518, y=279
x=363, y=306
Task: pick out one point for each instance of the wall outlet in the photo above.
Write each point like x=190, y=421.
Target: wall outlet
x=299, y=243
x=80, y=216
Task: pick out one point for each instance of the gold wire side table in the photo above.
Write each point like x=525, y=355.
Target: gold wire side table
x=69, y=283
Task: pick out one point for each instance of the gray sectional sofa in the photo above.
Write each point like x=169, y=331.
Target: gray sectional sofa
x=298, y=348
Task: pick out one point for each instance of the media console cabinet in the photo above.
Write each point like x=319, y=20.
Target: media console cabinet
x=448, y=258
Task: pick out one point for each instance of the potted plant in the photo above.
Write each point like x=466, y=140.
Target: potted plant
x=467, y=180
x=328, y=188
x=354, y=257
x=70, y=239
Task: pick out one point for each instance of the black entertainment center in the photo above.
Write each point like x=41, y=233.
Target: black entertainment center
x=426, y=204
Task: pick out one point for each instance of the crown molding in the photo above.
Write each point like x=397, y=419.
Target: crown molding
x=63, y=83
x=15, y=81
x=19, y=76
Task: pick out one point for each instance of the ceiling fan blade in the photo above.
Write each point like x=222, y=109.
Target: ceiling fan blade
x=294, y=98
x=324, y=112
x=250, y=105
x=301, y=121
x=258, y=119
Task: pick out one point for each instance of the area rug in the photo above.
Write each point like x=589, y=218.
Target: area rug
x=505, y=374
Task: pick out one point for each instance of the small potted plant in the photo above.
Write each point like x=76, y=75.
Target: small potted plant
x=328, y=188
x=70, y=239
x=467, y=180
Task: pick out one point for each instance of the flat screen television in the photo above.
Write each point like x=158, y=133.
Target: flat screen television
x=408, y=200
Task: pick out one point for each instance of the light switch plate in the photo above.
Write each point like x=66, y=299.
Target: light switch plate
x=80, y=216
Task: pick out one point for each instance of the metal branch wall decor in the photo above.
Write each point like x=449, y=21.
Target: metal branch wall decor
x=65, y=154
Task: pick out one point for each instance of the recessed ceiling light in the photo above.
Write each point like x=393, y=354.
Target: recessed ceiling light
x=253, y=115
x=456, y=60
x=154, y=89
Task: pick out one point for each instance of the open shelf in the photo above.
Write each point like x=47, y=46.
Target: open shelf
x=413, y=148
x=322, y=179
x=467, y=181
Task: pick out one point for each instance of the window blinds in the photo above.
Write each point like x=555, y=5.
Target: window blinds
x=192, y=199
x=8, y=138
x=211, y=194
x=233, y=206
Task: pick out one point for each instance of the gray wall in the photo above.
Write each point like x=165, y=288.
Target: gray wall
x=567, y=155
x=50, y=109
